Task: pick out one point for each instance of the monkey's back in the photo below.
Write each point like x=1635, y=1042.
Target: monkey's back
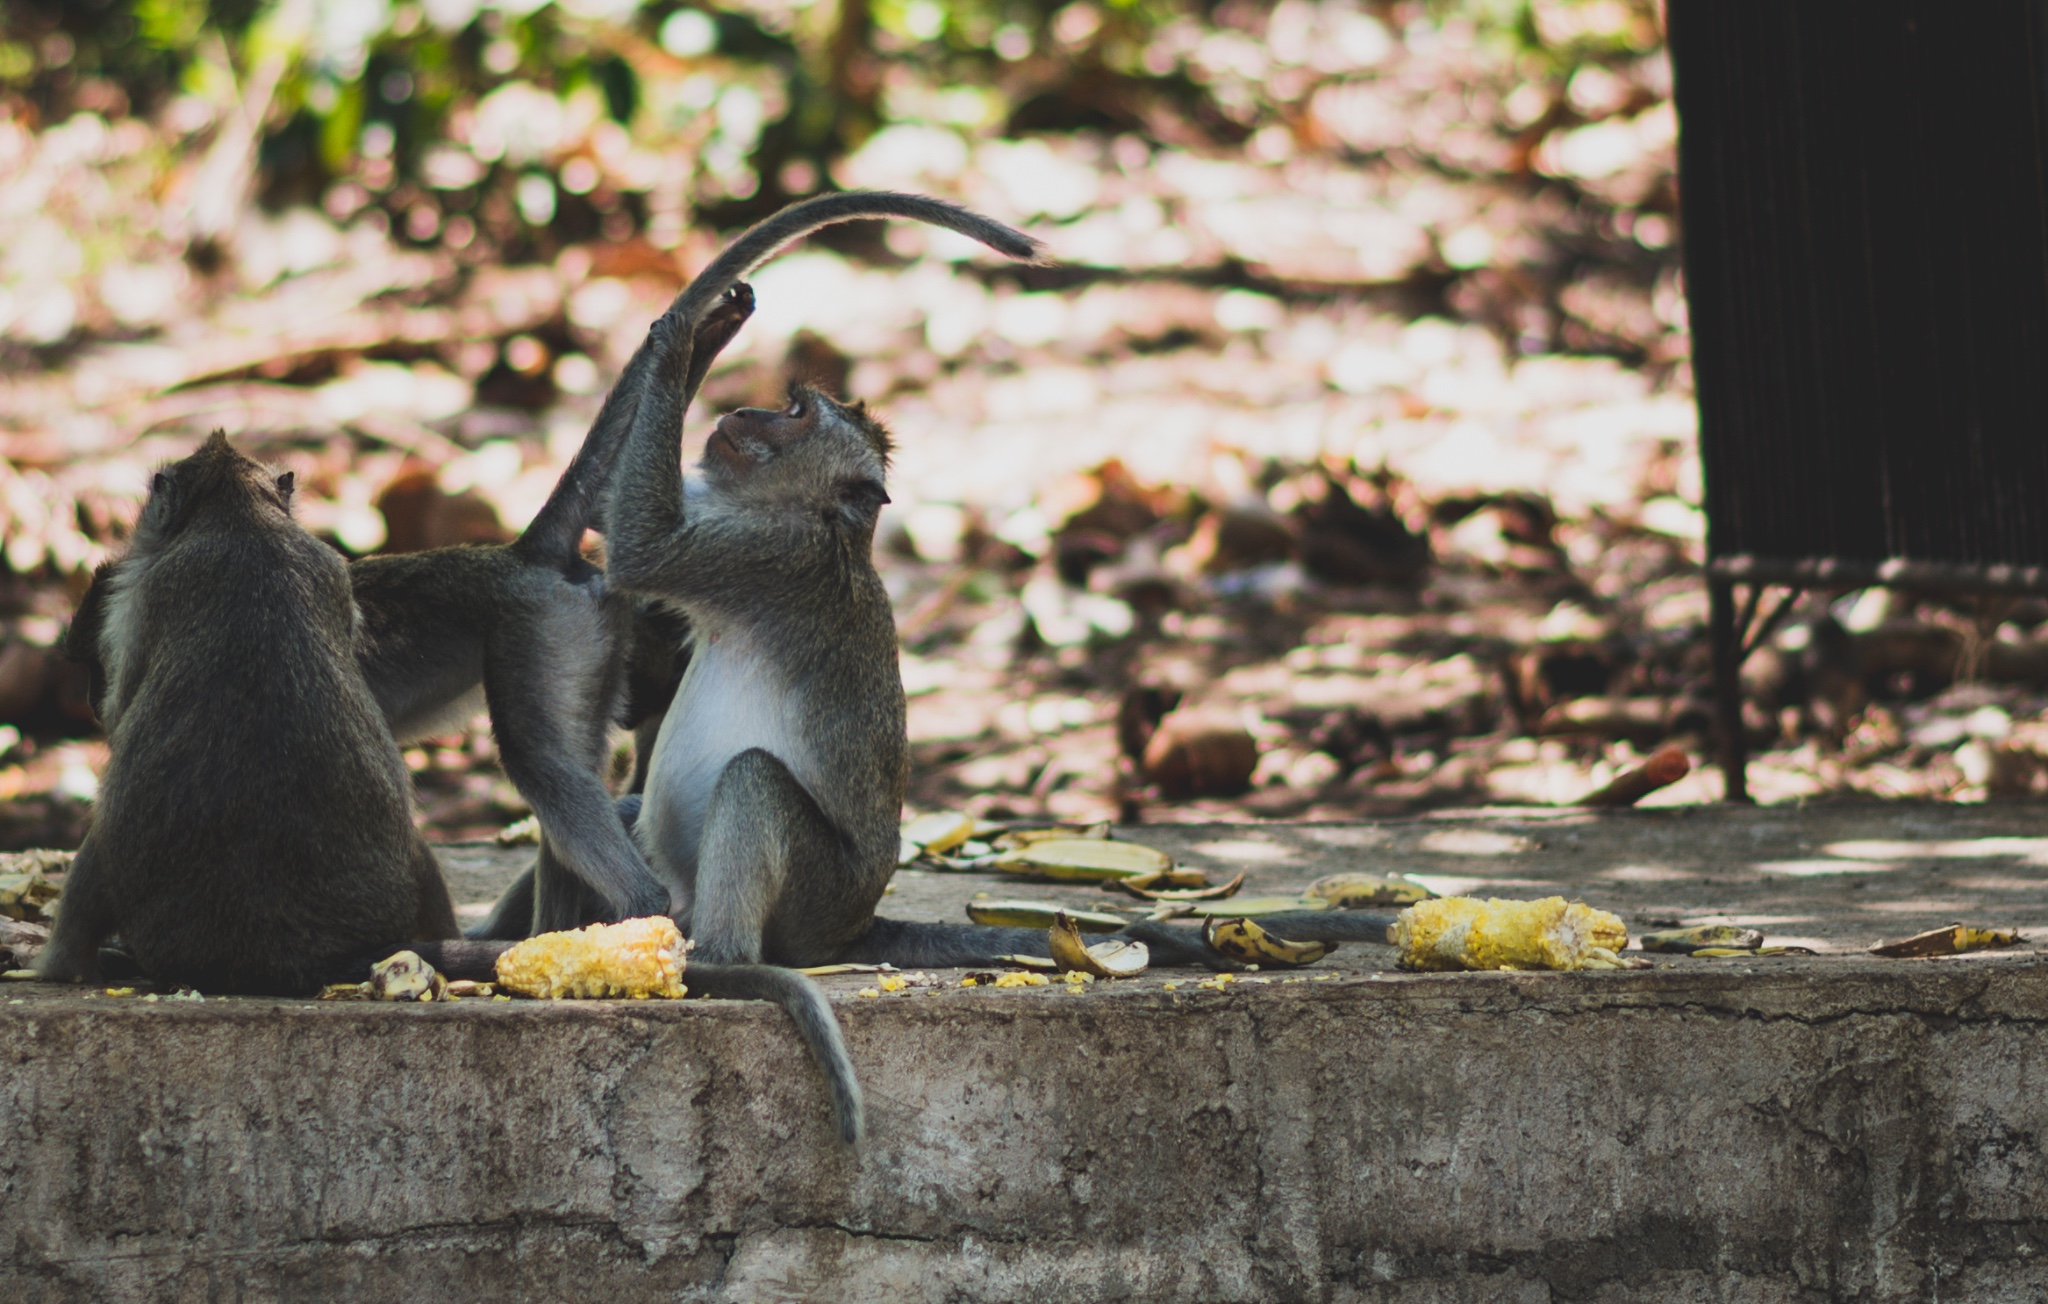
x=256, y=812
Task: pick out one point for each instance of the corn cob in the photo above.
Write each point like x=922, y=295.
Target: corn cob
x=1466, y=933
x=635, y=958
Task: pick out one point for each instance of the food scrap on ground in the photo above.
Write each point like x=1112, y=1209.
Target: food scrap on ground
x=634, y=958
x=1116, y=958
x=1953, y=940
x=1465, y=933
x=1247, y=943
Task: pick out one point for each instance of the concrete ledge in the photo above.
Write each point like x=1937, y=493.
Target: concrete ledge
x=1835, y=1129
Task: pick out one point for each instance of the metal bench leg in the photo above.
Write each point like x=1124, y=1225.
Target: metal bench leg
x=1734, y=745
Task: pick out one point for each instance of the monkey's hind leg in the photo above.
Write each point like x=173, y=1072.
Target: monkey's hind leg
x=763, y=831
x=551, y=707
x=516, y=916
x=85, y=917
x=511, y=919
x=434, y=916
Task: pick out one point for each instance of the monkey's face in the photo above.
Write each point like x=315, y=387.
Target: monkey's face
x=749, y=439
x=812, y=454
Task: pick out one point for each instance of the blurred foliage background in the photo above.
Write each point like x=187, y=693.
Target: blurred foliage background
x=507, y=131
x=1355, y=410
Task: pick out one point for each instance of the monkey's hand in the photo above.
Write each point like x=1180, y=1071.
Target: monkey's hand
x=715, y=332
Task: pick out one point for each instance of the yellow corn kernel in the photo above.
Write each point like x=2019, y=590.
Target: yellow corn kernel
x=635, y=958
x=1467, y=933
x=1021, y=980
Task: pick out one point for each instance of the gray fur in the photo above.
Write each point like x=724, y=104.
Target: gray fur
x=531, y=628
x=776, y=779
x=254, y=829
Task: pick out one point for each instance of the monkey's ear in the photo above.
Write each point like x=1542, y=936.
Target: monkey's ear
x=160, y=483
x=284, y=486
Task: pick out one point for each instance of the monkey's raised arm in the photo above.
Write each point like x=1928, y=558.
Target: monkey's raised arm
x=579, y=496
x=647, y=491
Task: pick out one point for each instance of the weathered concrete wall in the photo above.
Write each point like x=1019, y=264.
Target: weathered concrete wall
x=1858, y=1131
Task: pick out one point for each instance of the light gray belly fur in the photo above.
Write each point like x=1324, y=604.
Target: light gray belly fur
x=730, y=701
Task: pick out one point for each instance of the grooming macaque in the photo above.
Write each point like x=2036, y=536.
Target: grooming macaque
x=565, y=672
x=253, y=832
x=529, y=630
x=776, y=782
x=663, y=377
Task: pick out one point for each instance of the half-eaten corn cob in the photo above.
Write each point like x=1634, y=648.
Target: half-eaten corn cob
x=1467, y=933
x=635, y=958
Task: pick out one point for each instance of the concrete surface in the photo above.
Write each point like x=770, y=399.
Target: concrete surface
x=1837, y=1127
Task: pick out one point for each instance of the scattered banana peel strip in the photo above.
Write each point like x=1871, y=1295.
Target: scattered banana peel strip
x=1246, y=907
x=1084, y=860
x=1245, y=942
x=1465, y=933
x=1174, y=885
x=1115, y=958
x=1353, y=891
x=1018, y=839
x=1952, y=940
x=1707, y=937
x=940, y=831
x=1039, y=914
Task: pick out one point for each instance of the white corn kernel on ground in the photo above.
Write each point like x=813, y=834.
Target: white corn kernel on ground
x=1467, y=933
x=635, y=958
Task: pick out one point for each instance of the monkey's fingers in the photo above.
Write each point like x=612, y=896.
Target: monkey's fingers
x=714, y=333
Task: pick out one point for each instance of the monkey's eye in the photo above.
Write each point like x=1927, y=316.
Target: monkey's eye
x=796, y=409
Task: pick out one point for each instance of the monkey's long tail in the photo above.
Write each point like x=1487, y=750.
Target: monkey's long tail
x=815, y=1023
x=477, y=959
x=760, y=242
x=952, y=946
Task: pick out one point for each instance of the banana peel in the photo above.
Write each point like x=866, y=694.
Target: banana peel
x=1084, y=860
x=1244, y=907
x=940, y=831
x=1034, y=963
x=1175, y=885
x=1952, y=940
x=405, y=976
x=1247, y=943
x=1116, y=958
x=28, y=897
x=1354, y=891
x=1018, y=839
x=1691, y=941
x=1039, y=914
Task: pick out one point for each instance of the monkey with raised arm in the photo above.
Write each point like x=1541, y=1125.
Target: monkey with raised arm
x=776, y=783
x=532, y=626
x=662, y=375
x=254, y=829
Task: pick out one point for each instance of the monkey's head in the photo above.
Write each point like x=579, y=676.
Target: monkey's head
x=815, y=454
x=216, y=480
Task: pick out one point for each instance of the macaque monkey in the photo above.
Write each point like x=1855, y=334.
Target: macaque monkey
x=776, y=782
x=254, y=830
x=663, y=378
